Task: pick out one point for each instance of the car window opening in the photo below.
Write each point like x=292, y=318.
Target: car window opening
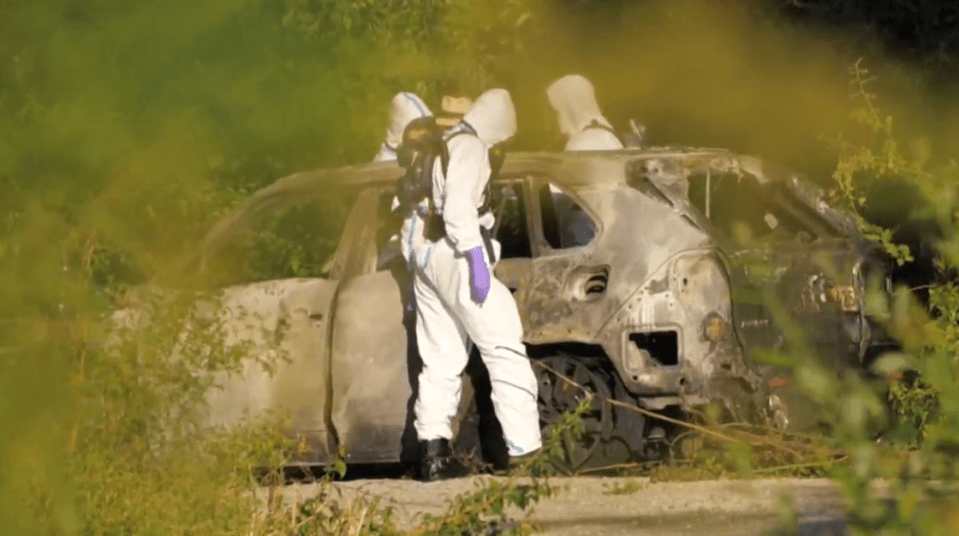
x=296, y=240
x=565, y=223
x=510, y=228
x=387, y=232
x=747, y=211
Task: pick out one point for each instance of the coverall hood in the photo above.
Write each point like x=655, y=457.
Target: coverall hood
x=404, y=108
x=574, y=100
x=493, y=116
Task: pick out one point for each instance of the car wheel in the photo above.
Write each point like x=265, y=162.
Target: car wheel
x=564, y=383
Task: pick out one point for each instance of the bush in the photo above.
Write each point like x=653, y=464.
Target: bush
x=126, y=128
x=916, y=461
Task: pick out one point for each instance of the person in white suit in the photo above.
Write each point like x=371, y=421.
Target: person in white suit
x=580, y=120
x=458, y=300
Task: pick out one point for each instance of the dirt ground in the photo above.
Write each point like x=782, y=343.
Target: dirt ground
x=622, y=505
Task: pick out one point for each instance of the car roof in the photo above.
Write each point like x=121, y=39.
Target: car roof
x=569, y=168
x=563, y=164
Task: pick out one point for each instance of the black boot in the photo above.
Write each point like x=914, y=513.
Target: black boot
x=437, y=463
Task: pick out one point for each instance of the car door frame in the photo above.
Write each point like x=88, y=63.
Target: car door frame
x=542, y=299
x=366, y=370
x=302, y=320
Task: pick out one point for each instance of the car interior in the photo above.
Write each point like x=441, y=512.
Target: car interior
x=744, y=210
x=510, y=228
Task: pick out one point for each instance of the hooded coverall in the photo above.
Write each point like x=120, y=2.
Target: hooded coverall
x=574, y=100
x=404, y=108
x=447, y=314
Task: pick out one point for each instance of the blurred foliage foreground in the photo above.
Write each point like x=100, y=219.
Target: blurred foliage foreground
x=917, y=462
x=121, y=139
x=893, y=442
x=904, y=479
x=126, y=129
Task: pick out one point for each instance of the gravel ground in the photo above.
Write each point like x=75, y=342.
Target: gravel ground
x=614, y=506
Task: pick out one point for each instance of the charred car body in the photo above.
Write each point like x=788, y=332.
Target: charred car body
x=659, y=310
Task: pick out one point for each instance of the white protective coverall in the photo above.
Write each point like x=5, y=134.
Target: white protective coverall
x=404, y=108
x=574, y=100
x=447, y=314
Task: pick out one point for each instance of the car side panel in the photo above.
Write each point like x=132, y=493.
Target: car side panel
x=372, y=368
x=286, y=324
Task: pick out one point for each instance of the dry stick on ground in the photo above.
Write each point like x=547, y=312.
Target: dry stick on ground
x=800, y=465
x=611, y=467
x=640, y=410
x=746, y=426
x=752, y=439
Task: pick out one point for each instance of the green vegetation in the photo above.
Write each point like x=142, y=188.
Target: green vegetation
x=127, y=128
x=918, y=458
x=628, y=488
x=904, y=481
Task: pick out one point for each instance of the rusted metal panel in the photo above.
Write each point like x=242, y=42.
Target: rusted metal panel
x=287, y=323
x=372, y=371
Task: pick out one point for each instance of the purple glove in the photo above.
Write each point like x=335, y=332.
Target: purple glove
x=479, y=274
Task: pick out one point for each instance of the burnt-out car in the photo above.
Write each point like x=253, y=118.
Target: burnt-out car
x=659, y=307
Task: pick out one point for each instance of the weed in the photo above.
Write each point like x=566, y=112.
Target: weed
x=919, y=459
x=708, y=448
x=116, y=155
x=626, y=488
x=496, y=506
